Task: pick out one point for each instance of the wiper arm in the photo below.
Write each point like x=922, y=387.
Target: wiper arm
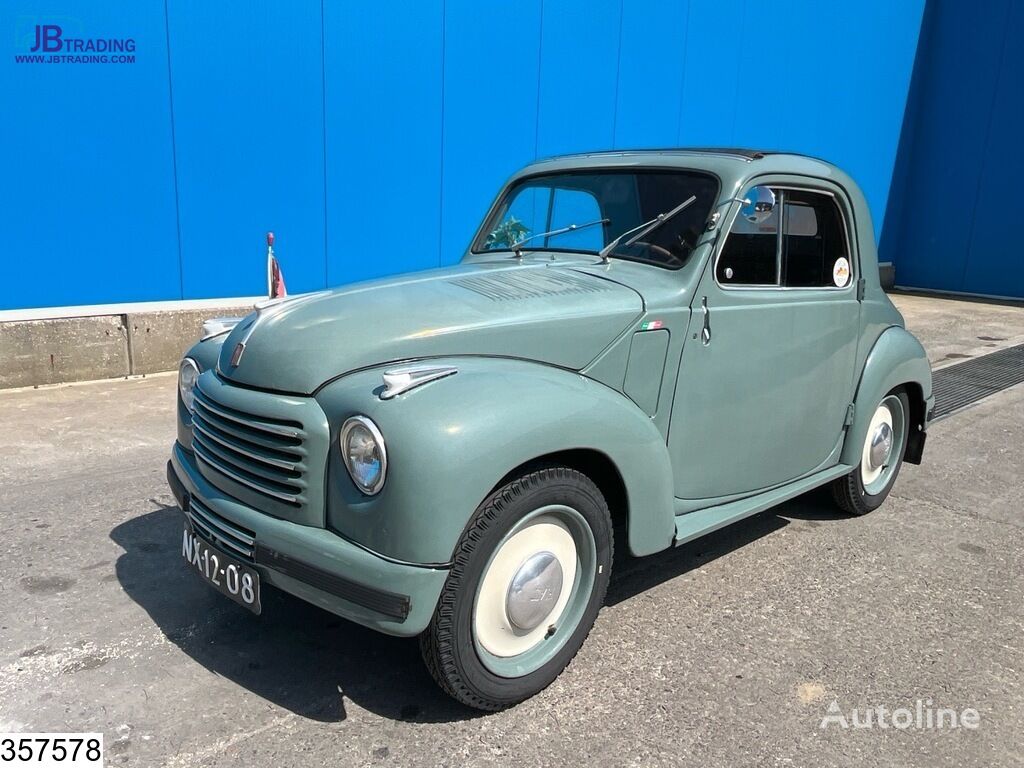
x=518, y=247
x=645, y=229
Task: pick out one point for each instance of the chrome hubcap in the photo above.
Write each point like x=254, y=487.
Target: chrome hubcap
x=535, y=586
x=534, y=590
x=881, y=446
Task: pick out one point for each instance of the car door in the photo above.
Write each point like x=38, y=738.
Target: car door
x=766, y=379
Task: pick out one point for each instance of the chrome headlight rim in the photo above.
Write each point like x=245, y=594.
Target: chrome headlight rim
x=378, y=438
x=188, y=398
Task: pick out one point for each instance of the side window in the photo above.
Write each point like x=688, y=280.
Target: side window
x=814, y=253
x=809, y=250
x=750, y=255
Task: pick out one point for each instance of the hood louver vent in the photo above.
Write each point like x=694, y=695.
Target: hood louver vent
x=512, y=286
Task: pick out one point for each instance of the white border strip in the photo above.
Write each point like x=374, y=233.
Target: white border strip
x=938, y=293
x=95, y=310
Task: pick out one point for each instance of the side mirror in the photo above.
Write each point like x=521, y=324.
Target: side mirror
x=758, y=204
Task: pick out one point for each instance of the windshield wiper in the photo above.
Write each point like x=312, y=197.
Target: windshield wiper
x=645, y=229
x=518, y=247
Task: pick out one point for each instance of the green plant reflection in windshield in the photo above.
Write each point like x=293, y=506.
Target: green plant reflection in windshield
x=507, y=234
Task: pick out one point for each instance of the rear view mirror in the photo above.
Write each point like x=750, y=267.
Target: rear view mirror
x=758, y=204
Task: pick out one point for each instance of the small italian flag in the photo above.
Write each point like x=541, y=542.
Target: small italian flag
x=275, y=277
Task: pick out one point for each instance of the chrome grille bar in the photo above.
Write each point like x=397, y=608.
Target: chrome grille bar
x=220, y=531
x=251, y=422
x=210, y=459
x=209, y=432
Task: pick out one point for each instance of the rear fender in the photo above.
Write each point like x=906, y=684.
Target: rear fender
x=896, y=359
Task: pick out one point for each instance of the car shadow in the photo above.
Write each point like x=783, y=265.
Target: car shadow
x=311, y=662
x=294, y=654
x=633, y=575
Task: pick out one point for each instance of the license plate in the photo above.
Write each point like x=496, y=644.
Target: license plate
x=223, y=572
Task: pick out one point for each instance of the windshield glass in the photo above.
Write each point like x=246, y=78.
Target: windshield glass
x=625, y=199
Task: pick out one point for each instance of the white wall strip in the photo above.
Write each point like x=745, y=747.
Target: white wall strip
x=94, y=310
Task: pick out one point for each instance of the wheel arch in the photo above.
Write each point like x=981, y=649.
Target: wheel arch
x=598, y=467
x=897, y=359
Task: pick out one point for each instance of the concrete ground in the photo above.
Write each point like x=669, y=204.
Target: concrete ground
x=728, y=651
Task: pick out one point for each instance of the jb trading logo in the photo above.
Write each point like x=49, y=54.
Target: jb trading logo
x=51, y=46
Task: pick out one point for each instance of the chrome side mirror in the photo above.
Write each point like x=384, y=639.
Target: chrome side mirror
x=758, y=204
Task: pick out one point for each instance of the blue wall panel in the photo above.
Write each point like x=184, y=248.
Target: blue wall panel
x=372, y=136
x=383, y=104
x=962, y=143
x=578, y=75
x=824, y=79
x=713, y=60
x=87, y=199
x=649, y=90
x=995, y=263
x=490, y=108
x=248, y=124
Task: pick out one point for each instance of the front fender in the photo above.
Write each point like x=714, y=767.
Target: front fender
x=897, y=358
x=451, y=441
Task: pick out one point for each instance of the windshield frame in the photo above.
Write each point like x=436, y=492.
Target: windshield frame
x=480, y=234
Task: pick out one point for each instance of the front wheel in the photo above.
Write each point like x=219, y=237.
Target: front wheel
x=528, y=579
x=867, y=486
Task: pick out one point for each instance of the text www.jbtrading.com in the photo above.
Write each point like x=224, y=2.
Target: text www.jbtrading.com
x=26, y=58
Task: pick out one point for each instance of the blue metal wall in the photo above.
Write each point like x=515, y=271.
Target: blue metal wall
x=371, y=137
x=953, y=225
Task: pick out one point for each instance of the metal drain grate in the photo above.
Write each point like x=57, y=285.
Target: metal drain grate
x=960, y=385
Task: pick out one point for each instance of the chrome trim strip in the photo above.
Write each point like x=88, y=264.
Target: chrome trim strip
x=212, y=519
x=404, y=379
x=217, y=453
x=204, y=431
x=213, y=535
x=257, y=425
x=199, y=449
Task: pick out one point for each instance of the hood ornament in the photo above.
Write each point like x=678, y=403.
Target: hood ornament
x=217, y=326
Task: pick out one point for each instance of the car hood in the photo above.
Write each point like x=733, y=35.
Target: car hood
x=545, y=312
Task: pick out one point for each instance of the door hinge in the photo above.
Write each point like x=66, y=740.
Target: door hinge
x=862, y=285
x=849, y=415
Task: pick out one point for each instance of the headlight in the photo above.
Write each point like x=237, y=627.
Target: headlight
x=362, y=449
x=188, y=375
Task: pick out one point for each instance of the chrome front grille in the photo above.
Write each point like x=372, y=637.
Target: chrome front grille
x=219, y=532
x=264, y=454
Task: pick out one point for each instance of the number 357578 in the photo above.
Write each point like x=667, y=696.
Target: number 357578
x=51, y=749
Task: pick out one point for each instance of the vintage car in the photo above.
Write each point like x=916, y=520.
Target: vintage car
x=636, y=349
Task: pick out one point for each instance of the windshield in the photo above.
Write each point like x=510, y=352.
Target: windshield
x=560, y=204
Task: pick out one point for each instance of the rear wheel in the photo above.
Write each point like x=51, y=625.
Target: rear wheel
x=867, y=486
x=529, y=577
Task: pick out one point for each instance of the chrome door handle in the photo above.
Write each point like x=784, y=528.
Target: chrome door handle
x=705, y=333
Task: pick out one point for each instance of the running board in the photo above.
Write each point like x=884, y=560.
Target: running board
x=693, y=525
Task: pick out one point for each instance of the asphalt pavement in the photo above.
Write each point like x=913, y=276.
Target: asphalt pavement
x=728, y=651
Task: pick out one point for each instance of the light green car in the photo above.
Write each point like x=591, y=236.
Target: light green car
x=637, y=348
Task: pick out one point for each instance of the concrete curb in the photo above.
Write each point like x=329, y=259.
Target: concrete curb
x=37, y=352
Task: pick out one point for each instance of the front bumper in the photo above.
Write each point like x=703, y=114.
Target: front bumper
x=317, y=565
